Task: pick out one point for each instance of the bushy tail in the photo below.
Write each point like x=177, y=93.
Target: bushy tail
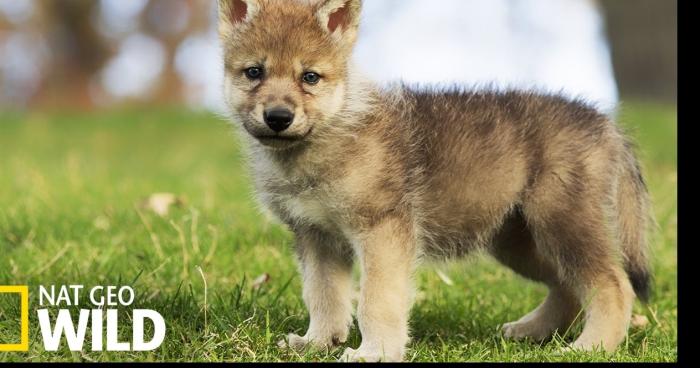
x=635, y=218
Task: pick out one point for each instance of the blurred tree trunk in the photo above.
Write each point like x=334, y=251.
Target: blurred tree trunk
x=78, y=51
x=644, y=36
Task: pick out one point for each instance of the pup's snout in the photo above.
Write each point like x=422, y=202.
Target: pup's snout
x=278, y=119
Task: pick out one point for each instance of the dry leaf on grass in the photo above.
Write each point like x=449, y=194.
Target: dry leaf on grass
x=260, y=281
x=161, y=203
x=639, y=321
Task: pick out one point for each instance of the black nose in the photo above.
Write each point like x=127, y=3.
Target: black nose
x=278, y=119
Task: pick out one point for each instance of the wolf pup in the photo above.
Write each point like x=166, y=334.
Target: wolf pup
x=389, y=177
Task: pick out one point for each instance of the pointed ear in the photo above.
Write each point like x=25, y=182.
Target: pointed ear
x=233, y=13
x=341, y=18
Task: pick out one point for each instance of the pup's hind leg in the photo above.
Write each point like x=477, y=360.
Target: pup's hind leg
x=570, y=229
x=556, y=313
x=610, y=299
x=514, y=247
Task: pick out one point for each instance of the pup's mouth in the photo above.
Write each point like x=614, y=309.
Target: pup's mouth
x=280, y=141
x=279, y=138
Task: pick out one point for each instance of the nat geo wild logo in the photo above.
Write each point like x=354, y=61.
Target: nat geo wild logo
x=99, y=309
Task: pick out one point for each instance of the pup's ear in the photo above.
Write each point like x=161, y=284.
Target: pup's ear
x=341, y=18
x=234, y=13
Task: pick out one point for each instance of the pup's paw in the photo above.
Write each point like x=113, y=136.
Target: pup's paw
x=563, y=351
x=591, y=345
x=530, y=329
x=365, y=355
x=577, y=348
x=300, y=343
x=294, y=342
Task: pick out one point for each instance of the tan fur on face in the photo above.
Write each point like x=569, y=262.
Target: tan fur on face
x=549, y=186
x=285, y=51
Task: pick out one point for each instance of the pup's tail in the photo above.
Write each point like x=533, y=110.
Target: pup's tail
x=633, y=209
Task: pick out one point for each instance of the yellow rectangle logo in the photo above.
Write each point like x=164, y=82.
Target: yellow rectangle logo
x=23, y=292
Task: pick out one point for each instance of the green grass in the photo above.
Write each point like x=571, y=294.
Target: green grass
x=70, y=188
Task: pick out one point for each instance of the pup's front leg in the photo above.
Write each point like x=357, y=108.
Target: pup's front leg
x=387, y=255
x=326, y=266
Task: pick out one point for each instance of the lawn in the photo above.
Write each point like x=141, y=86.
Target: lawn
x=71, y=212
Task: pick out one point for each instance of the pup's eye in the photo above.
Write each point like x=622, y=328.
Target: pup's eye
x=254, y=73
x=311, y=78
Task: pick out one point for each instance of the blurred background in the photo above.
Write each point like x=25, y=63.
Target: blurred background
x=90, y=54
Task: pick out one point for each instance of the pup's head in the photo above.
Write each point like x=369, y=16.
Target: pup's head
x=286, y=64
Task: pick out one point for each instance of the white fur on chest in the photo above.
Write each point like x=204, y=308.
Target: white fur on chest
x=300, y=198
x=309, y=210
